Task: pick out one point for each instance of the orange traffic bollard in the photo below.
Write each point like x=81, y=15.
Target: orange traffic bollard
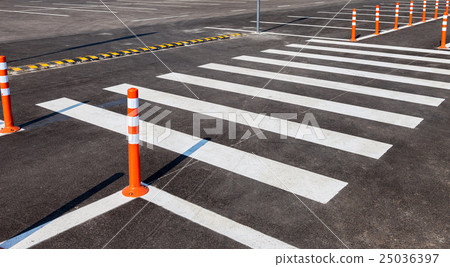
x=6, y=99
x=377, y=21
x=446, y=7
x=444, y=32
x=353, y=39
x=411, y=8
x=397, y=6
x=424, y=13
x=436, y=8
x=135, y=188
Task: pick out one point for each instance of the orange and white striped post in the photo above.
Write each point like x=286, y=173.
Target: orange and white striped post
x=135, y=187
x=397, y=7
x=424, y=13
x=444, y=32
x=353, y=39
x=6, y=99
x=411, y=8
x=446, y=6
x=377, y=21
x=436, y=9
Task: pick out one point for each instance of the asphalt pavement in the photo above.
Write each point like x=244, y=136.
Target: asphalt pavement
x=373, y=174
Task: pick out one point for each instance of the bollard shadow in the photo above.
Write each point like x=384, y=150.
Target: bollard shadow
x=287, y=23
x=61, y=211
x=164, y=170
x=83, y=46
x=50, y=118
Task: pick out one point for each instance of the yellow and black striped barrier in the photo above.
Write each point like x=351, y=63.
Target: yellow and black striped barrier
x=108, y=55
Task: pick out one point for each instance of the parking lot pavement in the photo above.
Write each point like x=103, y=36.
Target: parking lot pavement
x=362, y=160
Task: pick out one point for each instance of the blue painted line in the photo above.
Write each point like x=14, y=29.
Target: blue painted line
x=13, y=241
x=194, y=148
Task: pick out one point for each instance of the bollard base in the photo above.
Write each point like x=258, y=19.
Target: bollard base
x=9, y=129
x=443, y=47
x=135, y=191
x=353, y=40
x=377, y=33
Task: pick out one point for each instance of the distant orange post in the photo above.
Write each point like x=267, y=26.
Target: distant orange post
x=377, y=21
x=135, y=188
x=444, y=32
x=424, y=13
x=436, y=8
x=411, y=8
x=397, y=7
x=6, y=99
x=353, y=39
x=446, y=6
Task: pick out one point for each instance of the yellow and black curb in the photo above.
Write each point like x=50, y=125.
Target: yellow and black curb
x=108, y=55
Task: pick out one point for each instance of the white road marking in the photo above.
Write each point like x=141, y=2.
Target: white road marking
x=372, y=53
x=73, y=219
x=213, y=221
x=304, y=183
x=350, y=72
x=326, y=18
x=169, y=17
x=67, y=8
x=137, y=9
x=359, y=14
x=384, y=64
x=393, y=30
x=344, y=142
x=275, y=33
x=309, y=25
x=35, y=13
x=320, y=104
x=238, y=10
x=284, y=6
x=381, y=10
x=387, y=47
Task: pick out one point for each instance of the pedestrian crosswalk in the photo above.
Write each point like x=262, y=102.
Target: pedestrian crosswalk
x=223, y=80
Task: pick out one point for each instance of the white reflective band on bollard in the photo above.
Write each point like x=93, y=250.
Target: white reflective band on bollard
x=4, y=79
x=133, y=102
x=133, y=139
x=5, y=92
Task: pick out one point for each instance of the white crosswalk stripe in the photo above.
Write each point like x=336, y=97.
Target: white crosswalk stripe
x=385, y=47
x=376, y=63
x=372, y=53
x=304, y=183
x=320, y=104
x=344, y=71
x=366, y=113
x=348, y=143
x=231, y=229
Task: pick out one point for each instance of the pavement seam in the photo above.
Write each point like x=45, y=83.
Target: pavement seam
x=114, y=54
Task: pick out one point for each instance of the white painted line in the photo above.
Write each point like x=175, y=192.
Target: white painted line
x=169, y=17
x=35, y=13
x=238, y=10
x=366, y=62
x=213, y=221
x=275, y=33
x=284, y=6
x=350, y=72
x=67, y=8
x=301, y=182
x=344, y=142
x=329, y=19
x=359, y=14
x=137, y=9
x=387, y=47
x=381, y=10
x=72, y=219
x=309, y=25
x=393, y=30
x=320, y=104
x=372, y=53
